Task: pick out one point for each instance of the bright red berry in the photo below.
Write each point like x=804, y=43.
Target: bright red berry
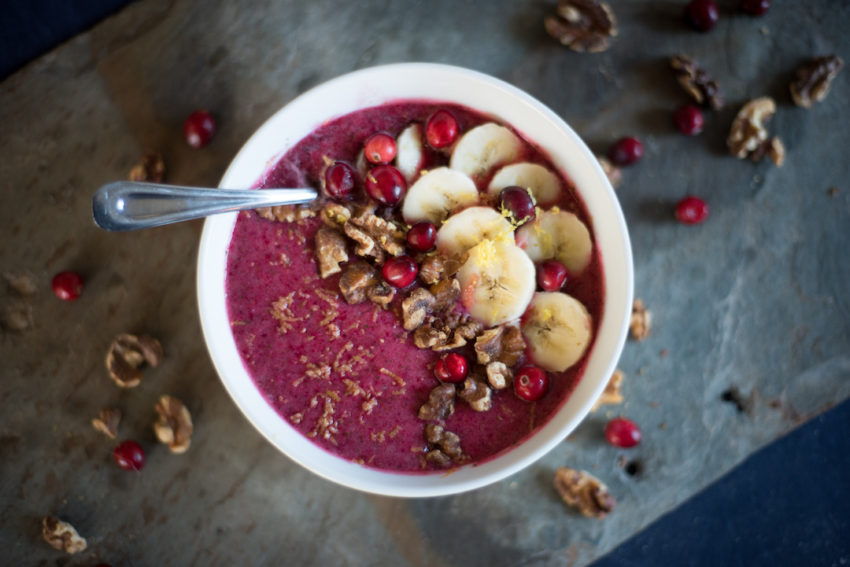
x=199, y=128
x=755, y=7
x=130, y=456
x=702, y=14
x=517, y=203
x=551, y=275
x=340, y=180
x=691, y=210
x=386, y=185
x=67, y=285
x=622, y=432
x=441, y=129
x=626, y=151
x=688, y=120
x=421, y=236
x=380, y=148
x=400, y=271
x=531, y=383
x=456, y=366
x=441, y=371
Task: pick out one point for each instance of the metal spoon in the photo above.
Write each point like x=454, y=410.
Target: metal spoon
x=131, y=205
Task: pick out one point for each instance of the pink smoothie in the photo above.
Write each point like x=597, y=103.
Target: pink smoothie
x=348, y=376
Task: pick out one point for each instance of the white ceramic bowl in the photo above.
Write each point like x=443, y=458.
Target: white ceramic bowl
x=371, y=87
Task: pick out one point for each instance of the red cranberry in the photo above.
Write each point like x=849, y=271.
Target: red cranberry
x=621, y=432
x=626, y=151
x=551, y=275
x=688, y=120
x=340, y=180
x=702, y=14
x=691, y=210
x=755, y=7
x=199, y=128
x=380, y=148
x=421, y=236
x=441, y=371
x=130, y=456
x=518, y=203
x=456, y=366
x=400, y=271
x=531, y=383
x=67, y=285
x=441, y=129
x=386, y=185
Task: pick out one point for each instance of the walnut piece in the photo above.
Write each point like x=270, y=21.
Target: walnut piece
x=641, y=321
x=415, y=308
x=447, y=332
x=174, y=426
x=356, y=281
x=151, y=168
x=107, y=422
x=696, y=82
x=436, y=267
x=446, y=293
x=499, y=375
x=772, y=148
x=127, y=354
x=447, y=445
x=611, y=394
x=17, y=317
x=22, y=284
x=374, y=236
x=612, y=172
x=287, y=213
x=582, y=25
x=330, y=251
x=61, y=535
x=335, y=215
x=440, y=404
x=477, y=394
x=582, y=490
x=381, y=293
x=813, y=79
x=748, y=129
x=504, y=344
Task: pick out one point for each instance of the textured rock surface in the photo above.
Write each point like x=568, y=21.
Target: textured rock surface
x=756, y=298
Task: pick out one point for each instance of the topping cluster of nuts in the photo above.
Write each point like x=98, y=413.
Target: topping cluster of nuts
x=582, y=25
x=584, y=491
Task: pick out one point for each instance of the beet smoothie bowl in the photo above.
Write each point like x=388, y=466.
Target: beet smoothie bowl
x=448, y=309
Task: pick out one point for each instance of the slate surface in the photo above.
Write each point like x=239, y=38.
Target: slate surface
x=755, y=298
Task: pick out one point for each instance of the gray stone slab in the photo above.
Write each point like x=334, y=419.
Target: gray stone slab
x=757, y=297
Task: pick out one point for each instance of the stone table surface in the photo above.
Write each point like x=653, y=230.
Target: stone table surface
x=754, y=299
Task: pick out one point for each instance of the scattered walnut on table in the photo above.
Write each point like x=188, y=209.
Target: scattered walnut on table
x=17, y=317
x=773, y=149
x=107, y=422
x=62, y=535
x=151, y=168
x=582, y=490
x=330, y=251
x=477, y=394
x=174, y=426
x=611, y=395
x=127, y=354
x=440, y=404
x=813, y=79
x=499, y=376
x=582, y=25
x=748, y=129
x=612, y=172
x=356, y=281
x=641, y=321
x=696, y=82
x=23, y=284
x=415, y=308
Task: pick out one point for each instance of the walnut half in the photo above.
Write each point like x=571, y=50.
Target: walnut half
x=174, y=426
x=127, y=354
x=582, y=25
x=584, y=491
x=813, y=79
x=748, y=129
x=61, y=535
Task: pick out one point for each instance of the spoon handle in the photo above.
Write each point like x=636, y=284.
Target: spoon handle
x=131, y=205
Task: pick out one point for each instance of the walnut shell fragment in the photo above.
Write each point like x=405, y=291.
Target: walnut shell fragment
x=151, y=169
x=813, y=79
x=584, y=491
x=62, y=535
x=107, y=422
x=696, y=82
x=174, y=426
x=582, y=25
x=748, y=129
x=127, y=354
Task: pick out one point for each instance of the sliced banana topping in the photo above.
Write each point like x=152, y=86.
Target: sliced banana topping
x=483, y=148
x=558, y=330
x=543, y=184
x=436, y=194
x=557, y=234
x=467, y=228
x=411, y=153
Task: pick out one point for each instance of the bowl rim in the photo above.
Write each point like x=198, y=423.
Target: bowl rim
x=356, y=90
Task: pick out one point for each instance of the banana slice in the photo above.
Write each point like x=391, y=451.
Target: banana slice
x=558, y=330
x=484, y=147
x=557, y=234
x=543, y=184
x=497, y=282
x=467, y=228
x=411, y=153
x=436, y=194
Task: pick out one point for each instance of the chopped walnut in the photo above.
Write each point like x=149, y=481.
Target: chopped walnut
x=641, y=321
x=61, y=535
x=287, y=213
x=374, y=236
x=151, y=168
x=381, y=293
x=330, y=251
x=448, y=332
x=748, y=130
x=335, y=215
x=356, y=281
x=107, y=422
x=813, y=79
x=477, y=394
x=504, y=343
x=582, y=490
x=773, y=149
x=447, y=444
x=437, y=457
x=696, y=82
x=611, y=395
x=436, y=267
x=17, y=317
x=127, y=354
x=440, y=404
x=582, y=25
x=22, y=284
x=612, y=172
x=415, y=308
x=174, y=426
x=499, y=375
x=446, y=293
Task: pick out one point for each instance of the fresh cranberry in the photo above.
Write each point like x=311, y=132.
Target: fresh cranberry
x=457, y=367
x=623, y=433
x=551, y=275
x=400, y=271
x=626, y=151
x=702, y=14
x=67, y=285
x=755, y=7
x=441, y=371
x=340, y=180
x=386, y=185
x=691, y=210
x=199, y=128
x=517, y=203
x=441, y=129
x=688, y=120
x=130, y=456
x=380, y=148
x=421, y=236
x=531, y=383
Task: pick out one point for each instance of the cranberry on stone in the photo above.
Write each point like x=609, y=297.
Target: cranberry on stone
x=702, y=14
x=400, y=271
x=67, y=285
x=626, y=151
x=517, y=203
x=691, y=210
x=456, y=366
x=531, y=383
x=380, y=148
x=386, y=185
x=130, y=456
x=422, y=236
x=688, y=120
x=199, y=128
x=622, y=432
x=441, y=129
x=340, y=180
x=551, y=275
x=755, y=7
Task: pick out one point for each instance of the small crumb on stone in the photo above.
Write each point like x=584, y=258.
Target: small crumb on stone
x=150, y=169
x=21, y=283
x=62, y=535
x=107, y=422
x=583, y=491
x=641, y=321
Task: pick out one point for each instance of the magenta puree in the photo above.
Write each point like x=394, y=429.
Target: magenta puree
x=357, y=394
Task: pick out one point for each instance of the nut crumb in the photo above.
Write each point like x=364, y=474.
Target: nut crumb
x=127, y=354
x=584, y=491
x=772, y=148
x=23, y=284
x=641, y=321
x=174, y=426
x=61, y=535
x=150, y=169
x=582, y=25
x=17, y=317
x=107, y=422
x=611, y=394
x=612, y=172
x=832, y=191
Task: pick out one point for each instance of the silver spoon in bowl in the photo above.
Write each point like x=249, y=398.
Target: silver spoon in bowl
x=131, y=205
